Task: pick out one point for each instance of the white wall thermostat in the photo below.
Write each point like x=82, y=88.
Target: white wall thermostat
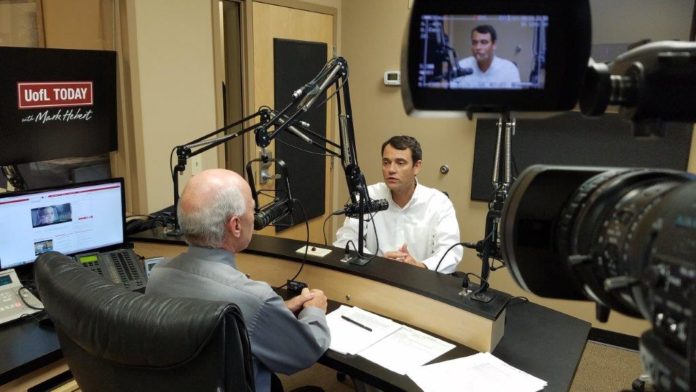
x=392, y=78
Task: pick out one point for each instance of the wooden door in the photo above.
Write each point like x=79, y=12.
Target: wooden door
x=272, y=22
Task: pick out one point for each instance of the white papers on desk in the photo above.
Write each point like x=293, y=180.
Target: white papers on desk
x=406, y=349
x=389, y=344
x=480, y=372
x=348, y=338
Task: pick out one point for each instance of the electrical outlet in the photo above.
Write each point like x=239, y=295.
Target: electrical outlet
x=314, y=251
x=196, y=165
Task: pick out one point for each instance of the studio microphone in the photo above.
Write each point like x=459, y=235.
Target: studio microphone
x=272, y=212
x=462, y=72
x=310, y=96
x=353, y=210
x=320, y=83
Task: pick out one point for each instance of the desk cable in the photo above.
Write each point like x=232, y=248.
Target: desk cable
x=35, y=316
x=304, y=258
x=464, y=244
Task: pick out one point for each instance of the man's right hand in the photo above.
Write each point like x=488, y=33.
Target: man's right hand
x=295, y=303
x=319, y=300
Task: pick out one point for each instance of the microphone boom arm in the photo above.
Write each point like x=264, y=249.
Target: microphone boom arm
x=334, y=72
x=202, y=144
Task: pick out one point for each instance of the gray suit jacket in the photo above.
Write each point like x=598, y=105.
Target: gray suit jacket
x=280, y=342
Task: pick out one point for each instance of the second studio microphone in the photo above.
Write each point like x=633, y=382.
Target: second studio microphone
x=272, y=212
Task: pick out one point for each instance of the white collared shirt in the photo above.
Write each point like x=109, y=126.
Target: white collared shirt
x=427, y=225
x=501, y=74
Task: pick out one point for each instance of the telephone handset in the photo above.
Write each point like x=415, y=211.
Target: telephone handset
x=15, y=300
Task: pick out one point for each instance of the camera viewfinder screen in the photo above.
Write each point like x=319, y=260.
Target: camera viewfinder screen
x=482, y=51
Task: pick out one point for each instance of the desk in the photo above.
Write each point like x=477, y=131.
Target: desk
x=538, y=340
x=25, y=347
x=398, y=291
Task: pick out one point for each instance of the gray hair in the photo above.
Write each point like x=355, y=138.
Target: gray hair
x=205, y=226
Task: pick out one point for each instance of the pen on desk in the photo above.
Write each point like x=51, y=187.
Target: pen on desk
x=350, y=320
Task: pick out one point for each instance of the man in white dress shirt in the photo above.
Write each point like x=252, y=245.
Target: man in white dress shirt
x=420, y=223
x=488, y=70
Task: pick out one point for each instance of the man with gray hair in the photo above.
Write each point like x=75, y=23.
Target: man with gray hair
x=216, y=215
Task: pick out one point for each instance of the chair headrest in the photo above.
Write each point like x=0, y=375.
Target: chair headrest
x=116, y=324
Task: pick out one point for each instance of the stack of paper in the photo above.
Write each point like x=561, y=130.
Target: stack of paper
x=382, y=341
x=360, y=330
x=481, y=372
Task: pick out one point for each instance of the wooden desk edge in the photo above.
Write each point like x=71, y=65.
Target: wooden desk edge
x=442, y=319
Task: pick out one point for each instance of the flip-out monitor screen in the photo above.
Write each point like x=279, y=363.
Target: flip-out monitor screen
x=483, y=51
x=470, y=56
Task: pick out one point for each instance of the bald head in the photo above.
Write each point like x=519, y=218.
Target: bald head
x=209, y=202
x=207, y=185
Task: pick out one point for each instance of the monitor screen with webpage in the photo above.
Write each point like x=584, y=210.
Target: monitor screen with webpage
x=69, y=219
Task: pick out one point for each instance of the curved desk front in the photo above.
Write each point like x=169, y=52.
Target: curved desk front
x=538, y=340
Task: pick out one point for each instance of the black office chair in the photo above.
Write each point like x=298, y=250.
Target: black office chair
x=117, y=340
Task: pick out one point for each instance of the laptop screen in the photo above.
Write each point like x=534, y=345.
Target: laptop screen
x=68, y=219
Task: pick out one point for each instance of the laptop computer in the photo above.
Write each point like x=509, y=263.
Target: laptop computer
x=83, y=220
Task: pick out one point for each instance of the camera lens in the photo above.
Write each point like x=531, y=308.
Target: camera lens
x=582, y=233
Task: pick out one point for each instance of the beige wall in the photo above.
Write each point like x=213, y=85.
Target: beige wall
x=372, y=34
x=627, y=21
x=95, y=32
x=173, y=89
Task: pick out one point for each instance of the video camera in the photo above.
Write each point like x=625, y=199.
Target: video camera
x=623, y=238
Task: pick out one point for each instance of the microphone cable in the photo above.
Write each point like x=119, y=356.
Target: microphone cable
x=517, y=300
x=464, y=244
x=374, y=228
x=483, y=286
x=304, y=258
x=287, y=144
x=171, y=163
x=323, y=226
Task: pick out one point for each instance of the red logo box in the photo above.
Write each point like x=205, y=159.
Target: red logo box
x=54, y=94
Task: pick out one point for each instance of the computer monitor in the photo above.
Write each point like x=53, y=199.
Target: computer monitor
x=69, y=219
